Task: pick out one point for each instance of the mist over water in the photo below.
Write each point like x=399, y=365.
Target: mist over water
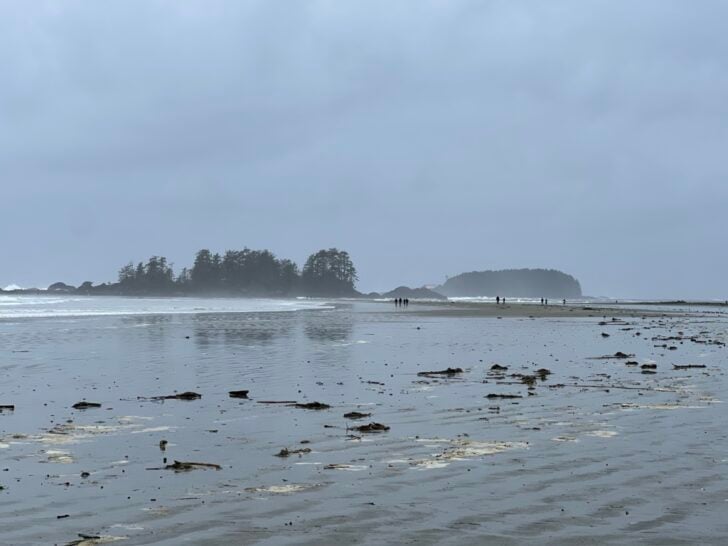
x=79, y=306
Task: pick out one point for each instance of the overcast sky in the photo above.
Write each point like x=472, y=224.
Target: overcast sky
x=426, y=138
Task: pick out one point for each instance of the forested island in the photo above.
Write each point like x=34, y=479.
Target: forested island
x=524, y=283
x=249, y=273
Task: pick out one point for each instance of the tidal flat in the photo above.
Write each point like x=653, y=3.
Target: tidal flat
x=525, y=426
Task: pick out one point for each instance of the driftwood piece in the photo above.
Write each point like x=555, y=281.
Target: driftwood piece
x=356, y=415
x=448, y=372
x=86, y=405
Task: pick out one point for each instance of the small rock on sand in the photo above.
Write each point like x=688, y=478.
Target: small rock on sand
x=238, y=394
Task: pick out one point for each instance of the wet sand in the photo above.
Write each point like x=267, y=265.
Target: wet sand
x=532, y=310
x=601, y=450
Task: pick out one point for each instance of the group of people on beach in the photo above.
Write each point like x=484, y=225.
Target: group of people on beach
x=401, y=302
x=545, y=301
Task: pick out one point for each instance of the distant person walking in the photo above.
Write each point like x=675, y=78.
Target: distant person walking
x=497, y=300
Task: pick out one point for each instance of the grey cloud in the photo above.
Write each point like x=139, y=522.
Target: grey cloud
x=427, y=138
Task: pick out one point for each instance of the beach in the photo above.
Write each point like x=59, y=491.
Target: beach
x=501, y=424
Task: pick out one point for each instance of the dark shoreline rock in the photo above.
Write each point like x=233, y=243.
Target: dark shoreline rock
x=414, y=293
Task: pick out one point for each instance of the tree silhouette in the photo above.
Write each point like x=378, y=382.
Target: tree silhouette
x=244, y=272
x=329, y=272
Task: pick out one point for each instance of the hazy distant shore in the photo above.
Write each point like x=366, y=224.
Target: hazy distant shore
x=450, y=308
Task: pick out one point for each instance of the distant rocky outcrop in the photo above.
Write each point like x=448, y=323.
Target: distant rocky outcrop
x=525, y=283
x=61, y=287
x=414, y=293
x=372, y=295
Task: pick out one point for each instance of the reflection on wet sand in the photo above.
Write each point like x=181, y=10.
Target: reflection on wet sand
x=329, y=326
x=242, y=329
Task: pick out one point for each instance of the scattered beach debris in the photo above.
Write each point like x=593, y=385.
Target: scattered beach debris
x=543, y=373
x=687, y=366
x=504, y=396
x=356, y=415
x=498, y=368
x=285, y=452
x=339, y=466
x=372, y=427
x=163, y=445
x=312, y=405
x=287, y=402
x=674, y=406
x=631, y=363
x=239, y=394
x=92, y=540
x=86, y=405
x=7, y=407
x=448, y=372
x=649, y=366
x=187, y=395
x=184, y=466
x=618, y=355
